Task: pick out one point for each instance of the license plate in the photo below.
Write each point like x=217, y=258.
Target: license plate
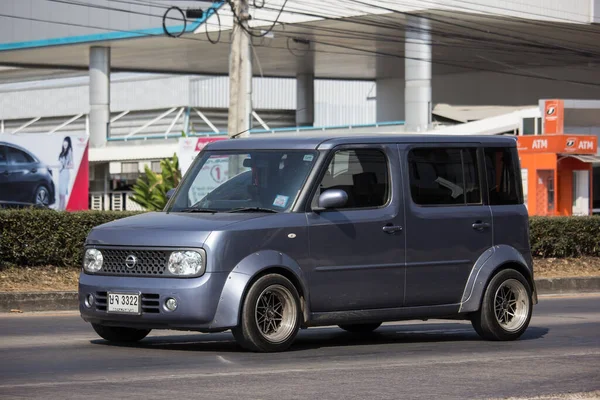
x=124, y=303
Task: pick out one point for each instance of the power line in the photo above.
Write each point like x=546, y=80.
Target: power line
x=486, y=28
x=335, y=45
x=248, y=31
x=488, y=44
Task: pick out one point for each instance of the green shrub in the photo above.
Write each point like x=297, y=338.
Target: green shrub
x=44, y=237
x=41, y=237
x=565, y=236
x=150, y=190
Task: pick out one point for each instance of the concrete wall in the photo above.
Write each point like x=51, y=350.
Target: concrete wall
x=489, y=88
x=336, y=102
x=390, y=100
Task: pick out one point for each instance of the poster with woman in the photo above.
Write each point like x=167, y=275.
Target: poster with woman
x=44, y=170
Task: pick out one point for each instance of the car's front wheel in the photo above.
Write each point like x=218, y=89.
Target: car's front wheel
x=41, y=196
x=506, y=307
x=119, y=334
x=271, y=315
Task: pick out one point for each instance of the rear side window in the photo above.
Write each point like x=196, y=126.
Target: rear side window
x=16, y=156
x=503, y=184
x=444, y=176
x=2, y=155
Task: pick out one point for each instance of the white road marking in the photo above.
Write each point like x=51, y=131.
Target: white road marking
x=224, y=360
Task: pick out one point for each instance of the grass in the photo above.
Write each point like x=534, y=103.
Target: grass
x=50, y=279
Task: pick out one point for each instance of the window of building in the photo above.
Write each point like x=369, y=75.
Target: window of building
x=130, y=168
x=444, y=176
x=362, y=174
x=155, y=167
x=502, y=180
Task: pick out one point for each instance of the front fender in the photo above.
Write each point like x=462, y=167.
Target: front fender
x=239, y=279
x=483, y=270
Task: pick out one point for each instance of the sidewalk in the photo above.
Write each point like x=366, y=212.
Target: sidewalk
x=56, y=301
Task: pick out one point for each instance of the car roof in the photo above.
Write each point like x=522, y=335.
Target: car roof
x=302, y=141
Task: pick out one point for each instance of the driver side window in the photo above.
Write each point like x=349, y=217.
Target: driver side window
x=362, y=174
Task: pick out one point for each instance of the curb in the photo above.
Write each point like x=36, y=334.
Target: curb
x=568, y=285
x=38, y=301
x=60, y=301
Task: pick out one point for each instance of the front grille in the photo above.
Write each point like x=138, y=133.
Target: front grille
x=150, y=302
x=148, y=262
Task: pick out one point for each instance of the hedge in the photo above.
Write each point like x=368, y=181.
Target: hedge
x=32, y=237
x=42, y=237
x=565, y=236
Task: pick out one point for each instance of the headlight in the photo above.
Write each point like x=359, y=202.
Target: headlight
x=186, y=263
x=92, y=262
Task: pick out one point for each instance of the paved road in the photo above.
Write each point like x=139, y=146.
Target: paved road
x=58, y=356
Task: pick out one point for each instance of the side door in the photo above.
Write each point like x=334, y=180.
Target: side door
x=21, y=174
x=505, y=197
x=5, y=195
x=448, y=225
x=357, y=264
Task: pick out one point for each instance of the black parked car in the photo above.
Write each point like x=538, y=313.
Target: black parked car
x=24, y=179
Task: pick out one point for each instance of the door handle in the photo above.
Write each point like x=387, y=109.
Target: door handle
x=479, y=226
x=392, y=229
x=33, y=170
x=5, y=173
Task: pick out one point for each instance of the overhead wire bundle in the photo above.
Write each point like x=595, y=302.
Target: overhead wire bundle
x=386, y=28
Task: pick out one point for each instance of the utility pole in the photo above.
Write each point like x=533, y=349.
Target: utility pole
x=240, y=73
x=240, y=78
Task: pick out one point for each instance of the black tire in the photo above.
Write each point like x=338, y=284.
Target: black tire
x=499, y=323
x=253, y=333
x=361, y=328
x=120, y=335
x=41, y=196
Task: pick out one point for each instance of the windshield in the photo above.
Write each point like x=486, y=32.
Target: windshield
x=263, y=181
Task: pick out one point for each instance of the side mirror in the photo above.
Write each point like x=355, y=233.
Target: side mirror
x=170, y=193
x=333, y=198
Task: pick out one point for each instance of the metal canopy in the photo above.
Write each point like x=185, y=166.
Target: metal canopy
x=367, y=47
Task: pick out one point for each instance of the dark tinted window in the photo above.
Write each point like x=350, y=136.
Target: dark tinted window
x=16, y=156
x=441, y=176
x=502, y=179
x=362, y=174
x=2, y=155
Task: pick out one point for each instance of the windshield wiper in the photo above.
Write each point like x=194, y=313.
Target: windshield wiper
x=253, y=209
x=199, y=210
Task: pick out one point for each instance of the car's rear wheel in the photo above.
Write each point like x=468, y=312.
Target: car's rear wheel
x=506, y=307
x=41, y=196
x=119, y=334
x=361, y=328
x=271, y=315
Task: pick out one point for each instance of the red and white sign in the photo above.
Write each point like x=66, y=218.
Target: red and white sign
x=554, y=116
x=53, y=169
x=189, y=148
x=560, y=144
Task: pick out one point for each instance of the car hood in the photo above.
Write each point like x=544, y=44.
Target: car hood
x=161, y=229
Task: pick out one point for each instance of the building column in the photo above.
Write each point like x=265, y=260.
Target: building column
x=99, y=95
x=305, y=99
x=417, y=74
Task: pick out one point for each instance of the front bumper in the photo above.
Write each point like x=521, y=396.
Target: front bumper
x=197, y=300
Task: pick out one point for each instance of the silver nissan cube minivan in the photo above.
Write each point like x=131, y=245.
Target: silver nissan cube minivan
x=268, y=235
